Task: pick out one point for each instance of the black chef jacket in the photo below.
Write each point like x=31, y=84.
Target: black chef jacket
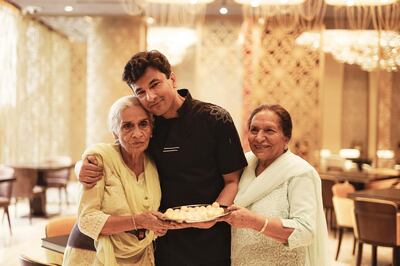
x=192, y=152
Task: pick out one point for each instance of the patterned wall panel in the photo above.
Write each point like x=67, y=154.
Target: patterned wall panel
x=355, y=109
x=78, y=100
x=385, y=87
x=289, y=75
x=111, y=42
x=37, y=119
x=395, y=127
x=219, y=71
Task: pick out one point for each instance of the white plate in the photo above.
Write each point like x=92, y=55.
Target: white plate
x=226, y=212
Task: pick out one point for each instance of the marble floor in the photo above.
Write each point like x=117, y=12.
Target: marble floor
x=26, y=237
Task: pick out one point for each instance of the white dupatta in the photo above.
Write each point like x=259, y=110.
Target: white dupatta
x=286, y=166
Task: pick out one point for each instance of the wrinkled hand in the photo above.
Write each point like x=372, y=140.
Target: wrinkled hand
x=151, y=220
x=90, y=172
x=239, y=216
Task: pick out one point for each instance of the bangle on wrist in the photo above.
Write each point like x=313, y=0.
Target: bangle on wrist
x=133, y=221
x=264, y=226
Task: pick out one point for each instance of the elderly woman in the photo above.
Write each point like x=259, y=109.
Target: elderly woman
x=126, y=199
x=278, y=216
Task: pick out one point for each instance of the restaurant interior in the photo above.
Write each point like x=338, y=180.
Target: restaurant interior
x=333, y=64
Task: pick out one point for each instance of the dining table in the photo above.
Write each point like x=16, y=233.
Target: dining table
x=38, y=202
x=360, y=179
x=389, y=194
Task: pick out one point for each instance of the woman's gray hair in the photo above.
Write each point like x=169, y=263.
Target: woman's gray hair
x=114, y=115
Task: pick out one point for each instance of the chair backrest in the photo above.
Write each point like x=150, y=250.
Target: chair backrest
x=59, y=174
x=344, y=211
x=6, y=173
x=327, y=194
x=342, y=189
x=61, y=159
x=25, y=261
x=26, y=180
x=376, y=221
x=59, y=226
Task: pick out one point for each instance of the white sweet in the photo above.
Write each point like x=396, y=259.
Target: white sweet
x=194, y=213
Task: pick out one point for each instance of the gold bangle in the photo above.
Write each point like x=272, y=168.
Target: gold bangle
x=133, y=221
x=264, y=226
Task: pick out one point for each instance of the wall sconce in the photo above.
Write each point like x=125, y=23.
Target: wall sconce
x=325, y=153
x=385, y=154
x=349, y=153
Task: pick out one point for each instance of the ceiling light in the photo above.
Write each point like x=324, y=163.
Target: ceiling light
x=68, y=8
x=359, y=2
x=31, y=9
x=150, y=20
x=369, y=49
x=256, y=3
x=171, y=41
x=223, y=10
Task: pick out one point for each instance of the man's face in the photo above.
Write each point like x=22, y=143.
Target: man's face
x=155, y=91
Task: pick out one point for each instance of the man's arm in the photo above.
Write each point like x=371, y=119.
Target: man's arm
x=230, y=189
x=89, y=172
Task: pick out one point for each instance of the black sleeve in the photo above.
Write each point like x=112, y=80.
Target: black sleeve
x=229, y=151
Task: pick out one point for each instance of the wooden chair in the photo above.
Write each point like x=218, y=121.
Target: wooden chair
x=59, y=226
x=6, y=182
x=25, y=187
x=378, y=224
x=327, y=196
x=58, y=178
x=25, y=261
x=344, y=211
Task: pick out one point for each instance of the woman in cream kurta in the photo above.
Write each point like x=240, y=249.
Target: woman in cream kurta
x=127, y=198
x=278, y=217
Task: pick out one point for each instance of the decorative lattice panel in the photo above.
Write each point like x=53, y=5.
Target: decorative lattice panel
x=288, y=75
x=395, y=128
x=78, y=99
x=111, y=43
x=219, y=70
x=37, y=112
x=384, y=110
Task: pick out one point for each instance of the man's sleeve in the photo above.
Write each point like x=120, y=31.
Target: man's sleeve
x=229, y=150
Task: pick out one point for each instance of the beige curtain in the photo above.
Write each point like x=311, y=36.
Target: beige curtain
x=34, y=89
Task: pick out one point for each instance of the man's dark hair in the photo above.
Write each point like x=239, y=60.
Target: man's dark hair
x=138, y=64
x=284, y=117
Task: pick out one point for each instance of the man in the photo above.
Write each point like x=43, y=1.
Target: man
x=198, y=155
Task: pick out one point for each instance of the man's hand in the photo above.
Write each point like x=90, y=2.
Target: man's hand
x=90, y=172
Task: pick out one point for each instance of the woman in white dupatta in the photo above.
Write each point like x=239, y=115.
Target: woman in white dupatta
x=120, y=211
x=278, y=217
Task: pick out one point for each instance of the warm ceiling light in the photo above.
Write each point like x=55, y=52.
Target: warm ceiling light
x=359, y=2
x=68, y=8
x=369, y=49
x=178, y=2
x=172, y=41
x=150, y=20
x=223, y=10
x=256, y=3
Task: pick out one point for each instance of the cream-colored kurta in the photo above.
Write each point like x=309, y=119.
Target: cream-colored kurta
x=110, y=197
x=288, y=189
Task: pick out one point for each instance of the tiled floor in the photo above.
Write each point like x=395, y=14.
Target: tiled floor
x=26, y=237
